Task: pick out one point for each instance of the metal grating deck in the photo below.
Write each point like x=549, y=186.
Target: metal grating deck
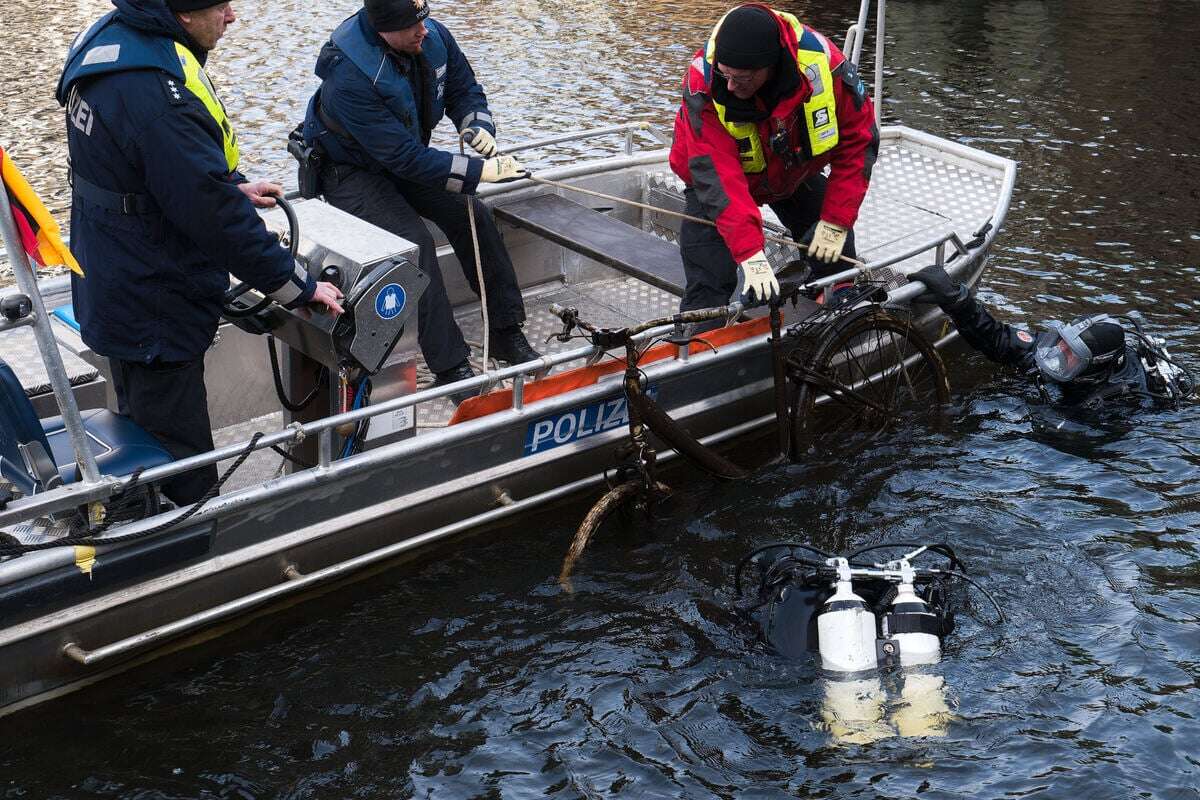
x=916, y=195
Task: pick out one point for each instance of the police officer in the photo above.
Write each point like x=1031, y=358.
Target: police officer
x=160, y=215
x=768, y=104
x=1085, y=363
x=389, y=74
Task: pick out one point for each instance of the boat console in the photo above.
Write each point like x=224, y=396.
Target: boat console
x=327, y=360
x=376, y=271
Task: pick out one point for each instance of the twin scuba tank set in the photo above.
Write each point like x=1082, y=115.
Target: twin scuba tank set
x=1167, y=379
x=855, y=616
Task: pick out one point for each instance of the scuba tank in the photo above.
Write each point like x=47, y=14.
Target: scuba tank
x=1166, y=379
x=855, y=616
x=846, y=631
x=910, y=623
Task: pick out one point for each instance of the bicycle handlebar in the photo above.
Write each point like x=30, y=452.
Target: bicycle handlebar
x=570, y=316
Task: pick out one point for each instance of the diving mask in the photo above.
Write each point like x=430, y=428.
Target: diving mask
x=1069, y=352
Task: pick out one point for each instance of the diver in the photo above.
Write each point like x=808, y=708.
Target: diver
x=1086, y=364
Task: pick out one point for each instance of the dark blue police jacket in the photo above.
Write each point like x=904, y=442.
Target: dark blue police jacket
x=139, y=139
x=367, y=99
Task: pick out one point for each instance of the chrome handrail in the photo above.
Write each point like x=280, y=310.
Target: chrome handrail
x=627, y=128
x=294, y=582
x=72, y=495
x=856, y=34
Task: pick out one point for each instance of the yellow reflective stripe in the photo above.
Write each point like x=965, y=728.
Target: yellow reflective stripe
x=750, y=148
x=820, y=111
x=197, y=82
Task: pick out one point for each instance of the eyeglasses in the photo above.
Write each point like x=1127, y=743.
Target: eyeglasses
x=736, y=80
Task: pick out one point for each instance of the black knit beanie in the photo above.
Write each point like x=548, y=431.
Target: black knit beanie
x=748, y=39
x=191, y=5
x=395, y=15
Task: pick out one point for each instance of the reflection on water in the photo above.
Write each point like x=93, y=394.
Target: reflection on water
x=470, y=674
x=548, y=68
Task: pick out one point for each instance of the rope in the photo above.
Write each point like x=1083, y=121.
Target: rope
x=483, y=303
x=646, y=206
x=89, y=538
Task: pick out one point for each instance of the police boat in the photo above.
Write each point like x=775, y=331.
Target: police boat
x=337, y=453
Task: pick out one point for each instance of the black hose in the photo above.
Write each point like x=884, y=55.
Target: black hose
x=284, y=400
x=985, y=592
x=936, y=547
x=741, y=565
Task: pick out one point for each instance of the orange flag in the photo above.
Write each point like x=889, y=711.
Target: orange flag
x=37, y=229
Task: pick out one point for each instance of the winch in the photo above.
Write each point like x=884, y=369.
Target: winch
x=374, y=269
x=332, y=364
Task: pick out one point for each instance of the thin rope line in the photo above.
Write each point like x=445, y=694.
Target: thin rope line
x=776, y=239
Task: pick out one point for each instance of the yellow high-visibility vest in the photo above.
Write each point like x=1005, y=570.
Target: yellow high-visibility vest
x=196, y=81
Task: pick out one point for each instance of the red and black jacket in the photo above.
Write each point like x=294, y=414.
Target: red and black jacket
x=706, y=156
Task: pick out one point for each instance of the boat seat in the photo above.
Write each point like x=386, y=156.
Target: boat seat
x=66, y=314
x=36, y=455
x=600, y=237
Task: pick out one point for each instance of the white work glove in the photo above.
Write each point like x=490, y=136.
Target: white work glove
x=827, y=242
x=759, y=278
x=481, y=141
x=501, y=169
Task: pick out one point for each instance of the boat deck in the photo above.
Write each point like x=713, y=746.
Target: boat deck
x=918, y=195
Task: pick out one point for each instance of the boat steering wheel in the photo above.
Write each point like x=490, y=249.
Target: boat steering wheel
x=231, y=307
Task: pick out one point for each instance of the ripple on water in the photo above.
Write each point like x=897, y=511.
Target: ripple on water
x=470, y=673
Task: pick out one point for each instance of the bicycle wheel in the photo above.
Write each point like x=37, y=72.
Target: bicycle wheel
x=866, y=374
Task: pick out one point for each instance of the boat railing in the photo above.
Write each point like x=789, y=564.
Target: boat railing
x=629, y=129
x=69, y=497
x=852, y=49
x=65, y=498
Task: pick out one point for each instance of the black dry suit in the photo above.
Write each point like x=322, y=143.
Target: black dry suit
x=1006, y=344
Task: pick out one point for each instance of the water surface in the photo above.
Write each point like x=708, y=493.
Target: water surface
x=470, y=673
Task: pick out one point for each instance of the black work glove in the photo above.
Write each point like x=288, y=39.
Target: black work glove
x=940, y=288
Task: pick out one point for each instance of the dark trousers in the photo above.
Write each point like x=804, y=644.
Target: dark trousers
x=712, y=274
x=168, y=400
x=398, y=206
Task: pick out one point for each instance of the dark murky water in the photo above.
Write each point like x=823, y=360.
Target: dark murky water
x=469, y=674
